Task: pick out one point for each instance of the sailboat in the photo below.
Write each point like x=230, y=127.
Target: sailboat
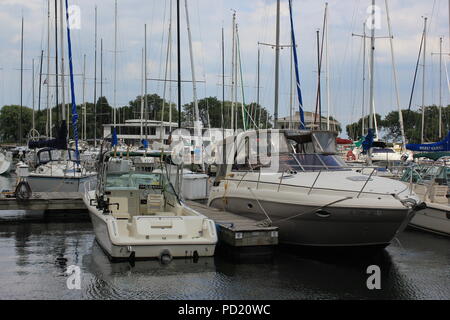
x=5, y=162
x=58, y=168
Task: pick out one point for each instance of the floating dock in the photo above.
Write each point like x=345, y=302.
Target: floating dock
x=246, y=237
x=45, y=201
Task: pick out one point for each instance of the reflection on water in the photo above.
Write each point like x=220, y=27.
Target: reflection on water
x=34, y=257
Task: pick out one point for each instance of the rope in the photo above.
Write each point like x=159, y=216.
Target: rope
x=264, y=211
x=312, y=211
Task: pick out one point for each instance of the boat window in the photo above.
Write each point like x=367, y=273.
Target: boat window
x=44, y=157
x=311, y=162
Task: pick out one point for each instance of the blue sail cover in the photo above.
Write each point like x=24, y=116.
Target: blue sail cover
x=442, y=146
x=297, y=73
x=72, y=87
x=115, y=140
x=368, y=141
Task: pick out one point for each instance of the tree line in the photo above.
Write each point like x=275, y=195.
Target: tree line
x=210, y=110
x=389, y=126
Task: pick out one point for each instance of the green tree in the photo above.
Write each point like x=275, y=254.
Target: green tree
x=10, y=117
x=354, y=130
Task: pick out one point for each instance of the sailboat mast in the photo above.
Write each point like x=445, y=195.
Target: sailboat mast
x=115, y=65
x=168, y=57
x=33, y=102
x=440, y=87
x=146, y=111
x=277, y=65
x=179, y=62
x=84, y=98
x=258, y=84
x=424, y=60
x=56, y=64
x=21, y=87
x=95, y=81
x=142, y=93
x=372, y=69
x=327, y=66
x=40, y=80
x=101, y=82
x=394, y=69
x=223, y=83
x=61, y=17
x=363, y=133
x=48, y=127
x=233, y=70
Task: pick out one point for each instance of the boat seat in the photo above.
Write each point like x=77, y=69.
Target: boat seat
x=438, y=194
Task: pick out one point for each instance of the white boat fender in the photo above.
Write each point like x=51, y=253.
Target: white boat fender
x=165, y=257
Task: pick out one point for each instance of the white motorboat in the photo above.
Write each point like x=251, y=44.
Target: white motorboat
x=138, y=215
x=308, y=191
x=58, y=171
x=5, y=162
x=431, y=184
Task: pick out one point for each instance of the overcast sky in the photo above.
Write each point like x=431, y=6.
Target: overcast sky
x=256, y=20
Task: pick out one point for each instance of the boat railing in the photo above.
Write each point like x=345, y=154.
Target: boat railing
x=290, y=173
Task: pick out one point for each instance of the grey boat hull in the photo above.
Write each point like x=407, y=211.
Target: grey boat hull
x=333, y=227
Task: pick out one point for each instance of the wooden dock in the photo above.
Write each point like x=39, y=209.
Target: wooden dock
x=239, y=232
x=45, y=201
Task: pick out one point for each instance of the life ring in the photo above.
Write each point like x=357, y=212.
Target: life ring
x=351, y=156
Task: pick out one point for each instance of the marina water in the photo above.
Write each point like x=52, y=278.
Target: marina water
x=35, y=254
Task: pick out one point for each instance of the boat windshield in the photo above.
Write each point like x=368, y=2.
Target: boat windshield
x=311, y=162
x=134, y=181
x=49, y=155
x=424, y=174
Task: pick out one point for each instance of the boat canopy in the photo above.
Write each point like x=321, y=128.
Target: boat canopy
x=443, y=146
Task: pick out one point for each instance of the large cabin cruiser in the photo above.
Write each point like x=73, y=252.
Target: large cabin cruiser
x=58, y=171
x=294, y=180
x=138, y=215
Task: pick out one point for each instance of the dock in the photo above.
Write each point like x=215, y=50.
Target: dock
x=246, y=237
x=45, y=201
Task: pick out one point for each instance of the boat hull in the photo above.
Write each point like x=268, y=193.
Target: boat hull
x=332, y=227
x=59, y=184
x=151, y=251
x=435, y=219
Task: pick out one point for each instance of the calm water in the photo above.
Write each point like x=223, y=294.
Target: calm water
x=415, y=267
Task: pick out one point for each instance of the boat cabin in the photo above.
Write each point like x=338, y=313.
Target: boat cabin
x=280, y=150
x=47, y=155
